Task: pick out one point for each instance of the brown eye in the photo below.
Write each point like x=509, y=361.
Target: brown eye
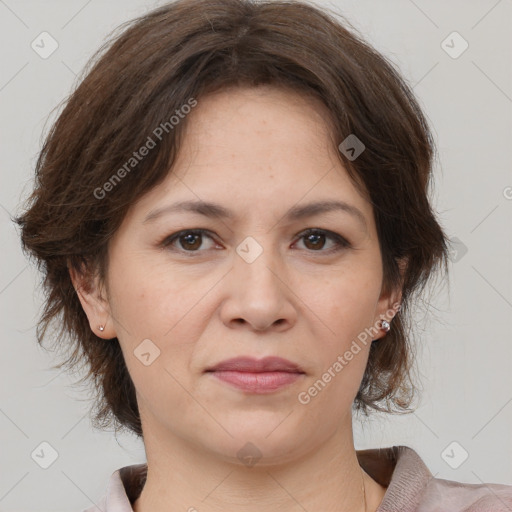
x=315, y=240
x=190, y=240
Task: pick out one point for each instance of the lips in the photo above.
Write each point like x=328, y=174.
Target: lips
x=251, y=365
x=257, y=376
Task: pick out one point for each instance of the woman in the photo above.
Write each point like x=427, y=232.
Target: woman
x=233, y=221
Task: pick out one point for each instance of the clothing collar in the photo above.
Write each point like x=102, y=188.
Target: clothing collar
x=395, y=467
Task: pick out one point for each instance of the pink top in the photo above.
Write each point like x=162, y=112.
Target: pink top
x=410, y=486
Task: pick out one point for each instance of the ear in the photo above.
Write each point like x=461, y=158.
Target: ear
x=389, y=303
x=92, y=296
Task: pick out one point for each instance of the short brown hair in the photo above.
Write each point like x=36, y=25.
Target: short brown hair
x=186, y=49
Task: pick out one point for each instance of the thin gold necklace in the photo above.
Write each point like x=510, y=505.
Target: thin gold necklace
x=364, y=491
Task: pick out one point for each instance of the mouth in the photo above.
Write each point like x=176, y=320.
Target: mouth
x=257, y=376
x=252, y=365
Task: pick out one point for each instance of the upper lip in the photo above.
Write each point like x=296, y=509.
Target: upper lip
x=250, y=364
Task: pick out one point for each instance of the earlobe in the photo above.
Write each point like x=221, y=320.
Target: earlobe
x=93, y=303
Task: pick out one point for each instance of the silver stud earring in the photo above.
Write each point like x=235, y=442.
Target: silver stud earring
x=101, y=328
x=385, y=325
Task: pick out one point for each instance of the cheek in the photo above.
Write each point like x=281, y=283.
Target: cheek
x=150, y=302
x=348, y=310
x=156, y=337
x=145, y=296
x=345, y=302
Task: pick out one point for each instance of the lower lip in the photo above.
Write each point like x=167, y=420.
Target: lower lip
x=262, y=382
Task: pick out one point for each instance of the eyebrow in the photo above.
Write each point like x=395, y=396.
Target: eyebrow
x=213, y=210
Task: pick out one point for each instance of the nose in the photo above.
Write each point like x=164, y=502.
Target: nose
x=257, y=295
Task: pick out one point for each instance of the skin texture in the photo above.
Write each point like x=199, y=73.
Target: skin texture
x=259, y=152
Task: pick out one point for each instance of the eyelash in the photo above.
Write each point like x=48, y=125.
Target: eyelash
x=341, y=243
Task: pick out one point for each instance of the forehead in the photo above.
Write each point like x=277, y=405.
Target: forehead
x=259, y=117
x=256, y=148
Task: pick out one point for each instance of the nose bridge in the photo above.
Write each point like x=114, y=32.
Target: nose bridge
x=257, y=294
x=260, y=277
x=257, y=262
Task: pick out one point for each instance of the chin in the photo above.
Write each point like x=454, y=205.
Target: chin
x=259, y=445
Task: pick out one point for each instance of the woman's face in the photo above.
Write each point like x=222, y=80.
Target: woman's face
x=254, y=284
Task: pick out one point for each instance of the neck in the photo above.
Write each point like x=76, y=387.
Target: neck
x=327, y=478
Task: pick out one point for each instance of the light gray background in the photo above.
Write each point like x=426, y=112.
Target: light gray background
x=466, y=348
